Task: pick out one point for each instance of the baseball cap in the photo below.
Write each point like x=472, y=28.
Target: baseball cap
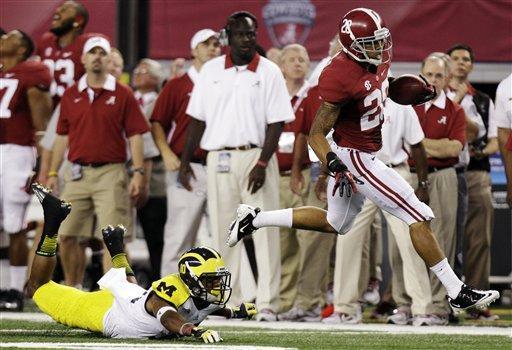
x=95, y=41
x=202, y=35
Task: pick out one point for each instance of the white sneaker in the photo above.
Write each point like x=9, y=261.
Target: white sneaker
x=430, y=320
x=300, y=315
x=242, y=225
x=372, y=295
x=266, y=315
x=399, y=317
x=341, y=318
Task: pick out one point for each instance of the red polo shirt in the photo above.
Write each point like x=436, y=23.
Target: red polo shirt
x=290, y=130
x=97, y=121
x=442, y=120
x=170, y=111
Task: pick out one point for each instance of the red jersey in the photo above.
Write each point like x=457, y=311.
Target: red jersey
x=311, y=105
x=15, y=115
x=361, y=94
x=97, y=120
x=442, y=120
x=64, y=62
x=170, y=112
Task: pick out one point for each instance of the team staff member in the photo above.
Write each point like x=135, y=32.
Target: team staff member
x=480, y=212
x=25, y=107
x=444, y=125
x=238, y=107
x=96, y=114
x=293, y=182
x=184, y=209
x=504, y=122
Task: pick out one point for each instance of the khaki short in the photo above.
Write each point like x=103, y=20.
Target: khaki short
x=102, y=191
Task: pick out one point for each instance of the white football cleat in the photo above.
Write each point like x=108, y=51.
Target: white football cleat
x=242, y=226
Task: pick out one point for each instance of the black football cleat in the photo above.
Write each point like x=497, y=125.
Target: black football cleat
x=469, y=297
x=114, y=239
x=242, y=226
x=13, y=301
x=55, y=210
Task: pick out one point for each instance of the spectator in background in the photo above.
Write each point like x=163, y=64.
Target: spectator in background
x=480, y=212
x=238, y=107
x=169, y=121
x=294, y=182
x=444, y=125
x=147, y=79
x=274, y=54
x=503, y=112
x=96, y=114
x=25, y=108
x=116, y=63
x=177, y=68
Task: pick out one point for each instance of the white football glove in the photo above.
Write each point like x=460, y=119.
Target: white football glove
x=207, y=335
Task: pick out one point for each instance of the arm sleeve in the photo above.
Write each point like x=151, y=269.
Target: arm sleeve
x=413, y=131
x=492, y=130
x=196, y=107
x=458, y=130
x=331, y=86
x=134, y=121
x=277, y=103
x=164, y=110
x=39, y=77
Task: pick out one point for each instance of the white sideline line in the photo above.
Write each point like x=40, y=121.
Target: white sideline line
x=313, y=326
x=102, y=346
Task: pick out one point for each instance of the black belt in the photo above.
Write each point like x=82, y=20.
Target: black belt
x=239, y=148
x=432, y=169
x=198, y=161
x=94, y=165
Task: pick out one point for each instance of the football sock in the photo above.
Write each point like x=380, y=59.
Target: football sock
x=120, y=261
x=447, y=277
x=279, y=218
x=18, y=275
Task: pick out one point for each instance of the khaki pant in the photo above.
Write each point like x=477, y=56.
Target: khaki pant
x=443, y=202
x=185, y=211
x=478, y=233
x=290, y=247
x=226, y=190
x=102, y=192
x=347, y=283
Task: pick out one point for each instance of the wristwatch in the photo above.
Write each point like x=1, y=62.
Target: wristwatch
x=424, y=184
x=138, y=170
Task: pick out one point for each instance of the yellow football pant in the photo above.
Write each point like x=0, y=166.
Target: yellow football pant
x=73, y=307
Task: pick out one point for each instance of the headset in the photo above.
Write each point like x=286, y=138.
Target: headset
x=226, y=31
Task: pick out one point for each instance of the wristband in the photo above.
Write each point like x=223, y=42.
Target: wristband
x=138, y=170
x=262, y=163
x=162, y=311
x=53, y=174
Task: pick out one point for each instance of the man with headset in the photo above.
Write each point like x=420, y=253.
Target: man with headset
x=238, y=107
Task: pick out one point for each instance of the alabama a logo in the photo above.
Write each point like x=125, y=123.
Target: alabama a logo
x=289, y=22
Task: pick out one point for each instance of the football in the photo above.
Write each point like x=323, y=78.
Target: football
x=409, y=89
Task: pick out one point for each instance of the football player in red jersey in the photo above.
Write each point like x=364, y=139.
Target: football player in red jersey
x=353, y=87
x=25, y=106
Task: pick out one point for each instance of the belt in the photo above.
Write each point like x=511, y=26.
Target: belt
x=94, y=165
x=198, y=161
x=239, y=148
x=432, y=169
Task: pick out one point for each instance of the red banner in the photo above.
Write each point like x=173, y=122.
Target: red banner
x=417, y=27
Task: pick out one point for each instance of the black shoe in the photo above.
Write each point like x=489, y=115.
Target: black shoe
x=55, y=210
x=13, y=301
x=242, y=226
x=469, y=297
x=113, y=238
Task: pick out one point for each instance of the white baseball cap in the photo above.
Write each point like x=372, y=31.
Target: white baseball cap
x=202, y=35
x=97, y=41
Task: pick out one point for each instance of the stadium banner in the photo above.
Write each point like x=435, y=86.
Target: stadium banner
x=418, y=27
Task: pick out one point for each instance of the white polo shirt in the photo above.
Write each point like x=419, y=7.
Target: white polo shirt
x=503, y=109
x=400, y=129
x=238, y=102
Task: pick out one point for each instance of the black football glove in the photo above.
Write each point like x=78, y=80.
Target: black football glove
x=343, y=178
x=245, y=310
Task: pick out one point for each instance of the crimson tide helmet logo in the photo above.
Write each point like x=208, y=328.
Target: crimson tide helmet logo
x=289, y=22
